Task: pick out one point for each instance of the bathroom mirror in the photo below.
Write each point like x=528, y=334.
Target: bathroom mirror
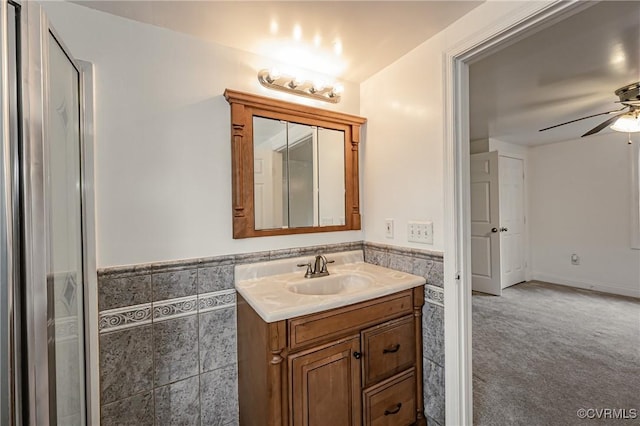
x=295, y=168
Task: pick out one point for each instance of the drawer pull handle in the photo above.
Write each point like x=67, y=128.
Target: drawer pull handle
x=357, y=355
x=391, y=349
x=393, y=410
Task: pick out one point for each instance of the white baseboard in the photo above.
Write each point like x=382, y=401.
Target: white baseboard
x=623, y=291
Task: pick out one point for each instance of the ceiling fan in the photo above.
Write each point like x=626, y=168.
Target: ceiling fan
x=625, y=119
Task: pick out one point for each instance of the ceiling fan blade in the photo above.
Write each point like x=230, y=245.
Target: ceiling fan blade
x=603, y=124
x=582, y=118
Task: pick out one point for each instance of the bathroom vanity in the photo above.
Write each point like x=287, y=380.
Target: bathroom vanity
x=343, y=349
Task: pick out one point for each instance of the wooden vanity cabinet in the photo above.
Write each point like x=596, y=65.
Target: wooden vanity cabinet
x=356, y=365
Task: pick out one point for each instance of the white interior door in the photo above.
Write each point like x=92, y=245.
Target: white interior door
x=485, y=224
x=512, y=220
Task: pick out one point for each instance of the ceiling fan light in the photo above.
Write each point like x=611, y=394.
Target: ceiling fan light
x=627, y=123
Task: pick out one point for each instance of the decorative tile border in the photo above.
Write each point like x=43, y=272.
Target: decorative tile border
x=434, y=295
x=146, y=313
x=405, y=251
x=251, y=257
x=129, y=316
x=216, y=300
x=174, y=308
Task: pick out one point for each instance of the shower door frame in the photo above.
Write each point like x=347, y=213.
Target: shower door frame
x=11, y=387
x=38, y=376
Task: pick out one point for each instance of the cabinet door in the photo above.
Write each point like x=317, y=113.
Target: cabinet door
x=325, y=385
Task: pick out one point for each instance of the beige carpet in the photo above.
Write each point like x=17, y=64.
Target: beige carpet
x=541, y=352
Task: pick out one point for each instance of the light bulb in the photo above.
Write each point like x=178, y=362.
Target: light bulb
x=337, y=90
x=274, y=74
x=297, y=32
x=628, y=123
x=317, y=86
x=337, y=47
x=295, y=82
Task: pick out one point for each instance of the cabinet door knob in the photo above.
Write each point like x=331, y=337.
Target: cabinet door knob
x=357, y=355
x=391, y=349
x=393, y=410
x=492, y=230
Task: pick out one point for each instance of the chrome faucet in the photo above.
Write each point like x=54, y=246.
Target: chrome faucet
x=319, y=268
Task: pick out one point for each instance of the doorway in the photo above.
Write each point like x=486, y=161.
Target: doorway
x=457, y=275
x=48, y=247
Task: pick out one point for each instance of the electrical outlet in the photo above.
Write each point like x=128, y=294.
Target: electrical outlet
x=388, y=228
x=420, y=232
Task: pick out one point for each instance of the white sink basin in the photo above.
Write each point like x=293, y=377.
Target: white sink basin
x=277, y=290
x=332, y=284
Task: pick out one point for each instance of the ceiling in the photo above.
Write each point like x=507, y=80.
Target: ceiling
x=371, y=34
x=566, y=71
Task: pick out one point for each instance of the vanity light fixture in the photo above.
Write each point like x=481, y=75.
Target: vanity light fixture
x=272, y=79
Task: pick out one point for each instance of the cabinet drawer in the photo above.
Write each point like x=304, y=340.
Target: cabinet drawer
x=323, y=326
x=388, y=349
x=392, y=402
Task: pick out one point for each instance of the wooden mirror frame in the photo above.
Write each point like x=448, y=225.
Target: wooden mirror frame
x=244, y=107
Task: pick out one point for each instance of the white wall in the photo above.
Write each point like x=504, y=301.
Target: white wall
x=403, y=156
x=580, y=203
x=163, y=157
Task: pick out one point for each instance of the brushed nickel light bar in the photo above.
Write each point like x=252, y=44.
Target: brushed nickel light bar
x=272, y=79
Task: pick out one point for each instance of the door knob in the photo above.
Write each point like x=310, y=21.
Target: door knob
x=357, y=355
x=503, y=229
x=494, y=229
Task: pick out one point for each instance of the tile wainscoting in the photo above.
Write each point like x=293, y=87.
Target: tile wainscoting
x=168, y=335
x=429, y=265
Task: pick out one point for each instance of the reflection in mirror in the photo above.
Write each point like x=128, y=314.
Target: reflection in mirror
x=301, y=143
x=298, y=177
x=270, y=173
x=331, y=177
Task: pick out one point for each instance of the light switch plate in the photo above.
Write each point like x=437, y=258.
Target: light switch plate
x=420, y=232
x=388, y=228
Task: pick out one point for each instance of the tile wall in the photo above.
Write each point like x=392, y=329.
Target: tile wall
x=168, y=336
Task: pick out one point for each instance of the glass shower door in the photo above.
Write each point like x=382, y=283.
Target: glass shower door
x=65, y=277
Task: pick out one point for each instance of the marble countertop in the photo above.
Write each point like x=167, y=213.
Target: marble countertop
x=266, y=285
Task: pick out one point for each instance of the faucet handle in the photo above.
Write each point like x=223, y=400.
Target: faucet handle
x=324, y=264
x=309, y=271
